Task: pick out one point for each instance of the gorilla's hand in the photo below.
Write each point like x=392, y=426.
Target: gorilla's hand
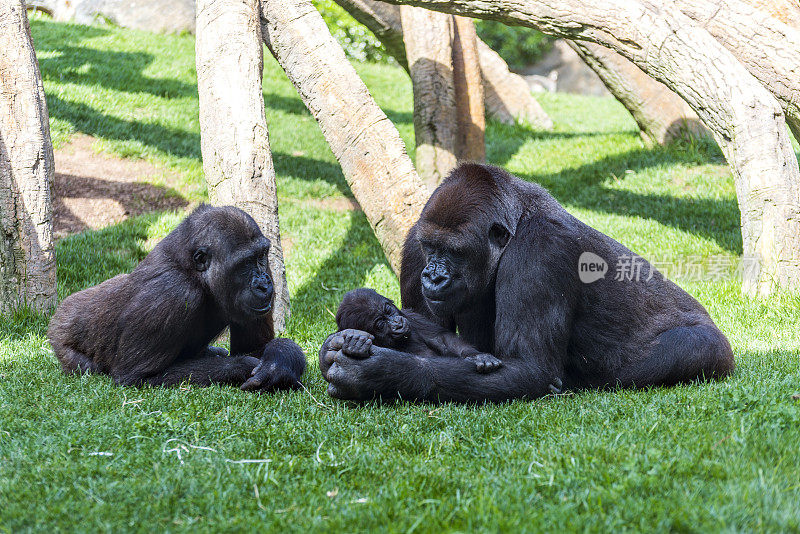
x=352, y=378
x=215, y=351
x=485, y=363
x=270, y=376
x=357, y=343
x=330, y=347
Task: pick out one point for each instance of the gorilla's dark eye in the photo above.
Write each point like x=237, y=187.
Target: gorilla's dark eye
x=201, y=259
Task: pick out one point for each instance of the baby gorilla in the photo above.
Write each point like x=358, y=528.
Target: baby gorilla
x=365, y=310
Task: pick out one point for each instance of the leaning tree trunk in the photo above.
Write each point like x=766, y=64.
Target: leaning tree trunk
x=746, y=120
x=363, y=139
x=429, y=48
x=470, y=140
x=235, y=143
x=27, y=259
x=768, y=48
x=662, y=115
x=507, y=96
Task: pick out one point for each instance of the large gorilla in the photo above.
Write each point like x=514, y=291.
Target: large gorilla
x=497, y=259
x=154, y=325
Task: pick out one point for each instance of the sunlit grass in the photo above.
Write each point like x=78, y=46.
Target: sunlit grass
x=77, y=453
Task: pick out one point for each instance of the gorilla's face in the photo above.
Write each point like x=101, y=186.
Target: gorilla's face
x=233, y=264
x=365, y=309
x=460, y=263
x=252, y=280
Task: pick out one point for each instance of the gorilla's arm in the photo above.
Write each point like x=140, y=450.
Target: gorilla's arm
x=232, y=370
x=536, y=290
x=251, y=338
x=388, y=374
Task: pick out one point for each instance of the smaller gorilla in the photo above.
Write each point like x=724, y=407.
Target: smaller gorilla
x=154, y=325
x=366, y=317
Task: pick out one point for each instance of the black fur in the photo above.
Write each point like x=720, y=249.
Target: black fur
x=497, y=258
x=365, y=318
x=154, y=325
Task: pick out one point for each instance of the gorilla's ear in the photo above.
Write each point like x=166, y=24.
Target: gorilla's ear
x=201, y=258
x=499, y=235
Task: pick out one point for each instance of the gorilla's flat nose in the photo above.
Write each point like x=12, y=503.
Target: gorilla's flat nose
x=435, y=279
x=262, y=284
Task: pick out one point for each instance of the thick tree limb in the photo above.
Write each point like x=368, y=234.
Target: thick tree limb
x=363, y=139
x=661, y=114
x=384, y=21
x=471, y=142
x=507, y=96
x=746, y=120
x=237, y=161
x=786, y=11
x=27, y=258
x=429, y=48
x=768, y=48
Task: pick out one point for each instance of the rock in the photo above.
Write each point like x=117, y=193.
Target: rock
x=563, y=70
x=163, y=16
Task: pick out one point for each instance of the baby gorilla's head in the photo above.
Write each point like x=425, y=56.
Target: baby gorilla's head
x=367, y=310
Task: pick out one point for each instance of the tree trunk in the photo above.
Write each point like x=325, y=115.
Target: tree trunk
x=470, y=141
x=363, y=139
x=661, y=114
x=746, y=120
x=429, y=48
x=768, y=48
x=235, y=143
x=507, y=96
x=27, y=259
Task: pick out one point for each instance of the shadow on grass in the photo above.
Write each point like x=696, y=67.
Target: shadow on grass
x=342, y=270
x=585, y=186
x=69, y=60
x=88, y=258
x=306, y=168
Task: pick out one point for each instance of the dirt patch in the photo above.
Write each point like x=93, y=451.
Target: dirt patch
x=94, y=190
x=340, y=204
x=287, y=244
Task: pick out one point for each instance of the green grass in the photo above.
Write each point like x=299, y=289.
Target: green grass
x=77, y=453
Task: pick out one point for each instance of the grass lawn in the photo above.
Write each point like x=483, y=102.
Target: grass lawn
x=77, y=453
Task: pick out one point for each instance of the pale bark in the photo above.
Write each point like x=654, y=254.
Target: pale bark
x=429, y=48
x=363, y=139
x=27, y=259
x=746, y=120
x=507, y=97
x=786, y=11
x=470, y=140
x=237, y=161
x=768, y=48
x=662, y=115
